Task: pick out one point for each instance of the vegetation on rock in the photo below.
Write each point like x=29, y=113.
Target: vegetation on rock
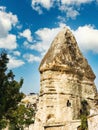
x=83, y=115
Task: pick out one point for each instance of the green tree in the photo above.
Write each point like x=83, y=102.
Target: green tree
x=10, y=94
x=22, y=117
x=83, y=115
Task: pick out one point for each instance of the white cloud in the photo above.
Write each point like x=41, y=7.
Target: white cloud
x=61, y=19
x=69, y=7
x=70, y=11
x=8, y=42
x=26, y=44
x=14, y=63
x=7, y=21
x=87, y=38
x=2, y=8
x=16, y=53
x=31, y=58
x=27, y=34
x=19, y=26
x=46, y=36
x=77, y=2
x=38, y=4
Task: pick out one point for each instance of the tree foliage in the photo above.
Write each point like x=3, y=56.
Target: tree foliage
x=10, y=94
x=83, y=115
x=22, y=117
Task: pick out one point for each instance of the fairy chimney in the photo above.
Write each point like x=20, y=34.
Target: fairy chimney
x=66, y=79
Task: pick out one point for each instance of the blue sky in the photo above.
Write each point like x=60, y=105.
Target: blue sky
x=27, y=28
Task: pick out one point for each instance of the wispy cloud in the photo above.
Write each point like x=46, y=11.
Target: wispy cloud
x=38, y=4
x=69, y=11
x=73, y=2
x=32, y=58
x=14, y=62
x=27, y=34
x=16, y=53
x=70, y=7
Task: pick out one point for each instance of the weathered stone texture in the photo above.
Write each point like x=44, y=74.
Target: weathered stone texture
x=93, y=122
x=93, y=118
x=66, y=79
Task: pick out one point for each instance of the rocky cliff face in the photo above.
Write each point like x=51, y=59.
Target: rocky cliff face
x=66, y=79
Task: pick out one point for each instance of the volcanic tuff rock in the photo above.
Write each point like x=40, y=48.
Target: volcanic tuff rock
x=66, y=80
x=64, y=54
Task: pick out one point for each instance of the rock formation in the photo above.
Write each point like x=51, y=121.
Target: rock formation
x=66, y=80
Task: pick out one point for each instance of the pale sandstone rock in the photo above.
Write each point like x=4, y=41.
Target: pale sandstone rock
x=66, y=79
x=93, y=122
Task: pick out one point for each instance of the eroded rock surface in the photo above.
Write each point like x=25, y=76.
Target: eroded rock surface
x=66, y=79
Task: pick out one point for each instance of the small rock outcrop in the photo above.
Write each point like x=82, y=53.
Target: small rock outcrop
x=66, y=80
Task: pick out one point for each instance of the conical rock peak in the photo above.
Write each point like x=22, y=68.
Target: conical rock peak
x=65, y=55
